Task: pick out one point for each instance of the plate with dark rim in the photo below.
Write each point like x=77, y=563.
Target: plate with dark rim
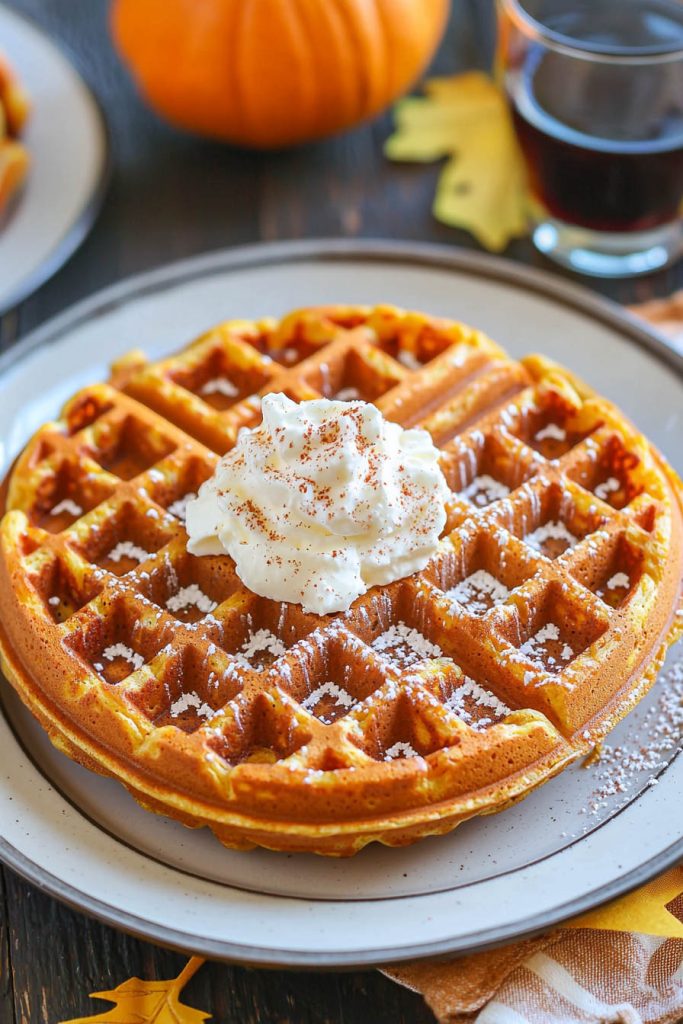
x=566, y=848
x=68, y=142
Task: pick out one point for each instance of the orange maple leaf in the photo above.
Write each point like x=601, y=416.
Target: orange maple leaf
x=149, y=1002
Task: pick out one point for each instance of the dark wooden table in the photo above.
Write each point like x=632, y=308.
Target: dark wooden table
x=172, y=196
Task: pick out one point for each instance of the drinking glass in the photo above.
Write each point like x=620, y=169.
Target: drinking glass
x=596, y=93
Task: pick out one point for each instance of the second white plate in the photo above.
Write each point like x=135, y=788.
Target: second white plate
x=66, y=136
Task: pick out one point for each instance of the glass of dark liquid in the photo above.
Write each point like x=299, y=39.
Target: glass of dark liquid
x=596, y=93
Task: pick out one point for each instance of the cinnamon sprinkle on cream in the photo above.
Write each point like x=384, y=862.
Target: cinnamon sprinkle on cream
x=321, y=501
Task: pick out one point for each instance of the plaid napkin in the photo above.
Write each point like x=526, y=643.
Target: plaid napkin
x=622, y=964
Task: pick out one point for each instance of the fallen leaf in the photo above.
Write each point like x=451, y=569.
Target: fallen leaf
x=149, y=1002
x=482, y=187
x=642, y=911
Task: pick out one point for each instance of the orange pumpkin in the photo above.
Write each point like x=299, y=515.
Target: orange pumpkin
x=269, y=73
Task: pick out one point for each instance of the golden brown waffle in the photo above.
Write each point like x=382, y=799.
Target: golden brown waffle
x=14, y=110
x=541, y=620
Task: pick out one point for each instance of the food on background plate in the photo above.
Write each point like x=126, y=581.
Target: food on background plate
x=14, y=157
x=519, y=639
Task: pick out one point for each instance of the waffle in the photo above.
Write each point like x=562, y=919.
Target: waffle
x=14, y=110
x=541, y=620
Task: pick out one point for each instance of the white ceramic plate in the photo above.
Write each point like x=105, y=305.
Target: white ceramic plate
x=67, y=138
x=86, y=841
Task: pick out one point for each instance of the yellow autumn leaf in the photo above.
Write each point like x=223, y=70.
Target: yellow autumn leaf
x=482, y=187
x=642, y=911
x=148, y=1002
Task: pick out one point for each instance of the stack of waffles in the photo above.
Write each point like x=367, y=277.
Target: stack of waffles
x=541, y=620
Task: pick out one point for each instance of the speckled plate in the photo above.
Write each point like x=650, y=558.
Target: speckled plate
x=67, y=139
x=567, y=847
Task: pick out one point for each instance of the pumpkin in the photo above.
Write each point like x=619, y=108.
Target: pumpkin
x=270, y=73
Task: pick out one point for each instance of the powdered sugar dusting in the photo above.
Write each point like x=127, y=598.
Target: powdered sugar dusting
x=405, y=646
x=615, y=590
x=348, y=395
x=606, y=488
x=331, y=694
x=484, y=490
x=188, y=597
x=191, y=700
x=478, y=592
x=408, y=359
x=470, y=693
x=259, y=649
x=66, y=505
x=127, y=653
x=544, y=649
x=555, y=530
x=620, y=768
x=551, y=432
x=178, y=508
x=127, y=549
x=619, y=580
x=400, y=749
x=220, y=386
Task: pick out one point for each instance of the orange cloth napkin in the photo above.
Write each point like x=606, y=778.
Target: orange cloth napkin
x=574, y=975
x=666, y=315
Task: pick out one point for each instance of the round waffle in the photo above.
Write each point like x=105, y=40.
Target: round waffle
x=541, y=620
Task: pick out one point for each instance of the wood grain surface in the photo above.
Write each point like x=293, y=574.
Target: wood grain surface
x=172, y=196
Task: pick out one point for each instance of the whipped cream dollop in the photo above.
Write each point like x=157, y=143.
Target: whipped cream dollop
x=321, y=501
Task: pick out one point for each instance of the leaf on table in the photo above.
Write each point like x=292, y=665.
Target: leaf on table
x=148, y=1002
x=643, y=911
x=482, y=187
